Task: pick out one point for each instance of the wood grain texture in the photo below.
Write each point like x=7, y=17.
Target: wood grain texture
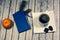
x=14, y=30
x=9, y=31
x=36, y=6
x=5, y=15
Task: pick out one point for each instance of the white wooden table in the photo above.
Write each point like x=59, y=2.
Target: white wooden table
x=9, y=7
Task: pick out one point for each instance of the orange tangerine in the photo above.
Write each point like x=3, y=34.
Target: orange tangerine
x=7, y=23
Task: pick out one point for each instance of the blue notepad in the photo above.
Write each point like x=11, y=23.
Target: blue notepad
x=21, y=21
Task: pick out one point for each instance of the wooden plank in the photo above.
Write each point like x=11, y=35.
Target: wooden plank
x=0, y=25
x=42, y=36
x=36, y=9
x=0, y=16
x=1, y=11
x=49, y=36
x=5, y=15
x=50, y=4
x=33, y=5
x=38, y=5
x=1, y=2
x=38, y=36
x=59, y=19
x=43, y=7
x=35, y=37
x=28, y=34
x=49, y=7
x=14, y=31
x=21, y=36
x=56, y=10
x=33, y=10
x=9, y=31
x=53, y=36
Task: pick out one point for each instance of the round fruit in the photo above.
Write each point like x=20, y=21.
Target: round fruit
x=7, y=23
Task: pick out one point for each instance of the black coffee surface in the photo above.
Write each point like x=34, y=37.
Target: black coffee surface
x=44, y=18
